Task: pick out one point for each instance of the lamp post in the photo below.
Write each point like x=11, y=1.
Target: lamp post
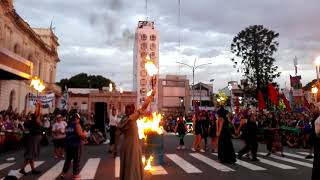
x=230, y=89
x=193, y=68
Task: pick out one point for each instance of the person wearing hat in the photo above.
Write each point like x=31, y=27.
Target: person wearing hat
x=74, y=142
x=59, y=135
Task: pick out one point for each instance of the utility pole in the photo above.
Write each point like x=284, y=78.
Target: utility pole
x=193, y=68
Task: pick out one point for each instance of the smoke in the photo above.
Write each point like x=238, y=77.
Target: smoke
x=108, y=17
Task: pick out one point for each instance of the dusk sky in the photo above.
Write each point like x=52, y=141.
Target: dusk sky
x=96, y=36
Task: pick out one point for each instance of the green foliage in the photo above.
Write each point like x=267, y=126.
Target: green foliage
x=255, y=46
x=82, y=80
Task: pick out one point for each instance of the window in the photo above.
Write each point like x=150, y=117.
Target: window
x=12, y=99
x=144, y=46
x=144, y=37
x=143, y=73
x=153, y=37
x=143, y=82
x=142, y=63
x=153, y=47
x=153, y=55
x=143, y=55
x=143, y=91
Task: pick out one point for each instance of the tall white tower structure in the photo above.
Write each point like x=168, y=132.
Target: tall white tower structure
x=146, y=43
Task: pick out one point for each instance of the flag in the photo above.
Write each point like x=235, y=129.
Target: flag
x=286, y=102
x=262, y=104
x=273, y=94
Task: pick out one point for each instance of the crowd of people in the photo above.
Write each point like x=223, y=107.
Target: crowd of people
x=275, y=129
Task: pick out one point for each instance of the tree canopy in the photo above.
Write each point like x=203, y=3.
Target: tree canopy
x=254, y=47
x=84, y=80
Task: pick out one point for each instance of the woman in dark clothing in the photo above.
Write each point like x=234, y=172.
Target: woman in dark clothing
x=204, y=130
x=273, y=136
x=226, y=152
x=74, y=137
x=32, y=141
x=213, y=133
x=181, y=130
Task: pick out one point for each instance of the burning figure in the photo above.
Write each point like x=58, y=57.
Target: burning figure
x=131, y=165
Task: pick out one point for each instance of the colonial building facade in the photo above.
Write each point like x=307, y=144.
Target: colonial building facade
x=25, y=52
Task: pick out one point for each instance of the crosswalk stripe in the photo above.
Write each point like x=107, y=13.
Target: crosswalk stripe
x=117, y=167
x=27, y=169
x=304, y=153
x=247, y=165
x=186, y=166
x=297, y=156
x=158, y=170
x=275, y=164
x=90, y=168
x=289, y=160
x=54, y=172
x=211, y=162
x=5, y=165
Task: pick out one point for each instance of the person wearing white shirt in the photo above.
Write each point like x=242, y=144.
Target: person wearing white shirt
x=59, y=134
x=113, y=124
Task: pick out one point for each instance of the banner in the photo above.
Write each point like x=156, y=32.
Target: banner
x=45, y=99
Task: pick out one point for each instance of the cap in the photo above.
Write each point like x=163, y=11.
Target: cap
x=59, y=116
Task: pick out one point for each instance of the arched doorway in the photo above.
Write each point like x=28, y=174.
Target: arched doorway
x=12, y=99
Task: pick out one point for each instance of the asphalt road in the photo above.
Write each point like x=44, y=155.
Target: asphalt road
x=183, y=164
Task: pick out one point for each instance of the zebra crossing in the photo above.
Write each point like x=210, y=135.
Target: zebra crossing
x=187, y=162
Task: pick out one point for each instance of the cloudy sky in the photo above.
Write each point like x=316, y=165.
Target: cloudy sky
x=96, y=36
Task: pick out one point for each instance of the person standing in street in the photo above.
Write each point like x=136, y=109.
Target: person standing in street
x=204, y=130
x=250, y=136
x=74, y=138
x=131, y=165
x=213, y=133
x=226, y=152
x=59, y=135
x=113, y=124
x=197, y=132
x=181, y=130
x=32, y=141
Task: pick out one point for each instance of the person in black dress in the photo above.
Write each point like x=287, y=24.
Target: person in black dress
x=226, y=152
x=250, y=136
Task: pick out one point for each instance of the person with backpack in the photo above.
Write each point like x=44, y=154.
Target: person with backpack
x=181, y=129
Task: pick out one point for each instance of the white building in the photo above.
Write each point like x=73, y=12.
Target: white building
x=146, y=43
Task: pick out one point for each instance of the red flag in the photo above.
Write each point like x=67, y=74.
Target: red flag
x=273, y=94
x=237, y=105
x=262, y=104
x=286, y=102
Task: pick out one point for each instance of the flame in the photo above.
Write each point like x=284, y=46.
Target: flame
x=149, y=124
x=148, y=166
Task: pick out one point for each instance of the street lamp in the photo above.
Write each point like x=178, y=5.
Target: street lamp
x=193, y=68
x=230, y=89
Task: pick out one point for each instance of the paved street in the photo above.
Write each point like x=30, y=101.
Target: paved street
x=183, y=164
